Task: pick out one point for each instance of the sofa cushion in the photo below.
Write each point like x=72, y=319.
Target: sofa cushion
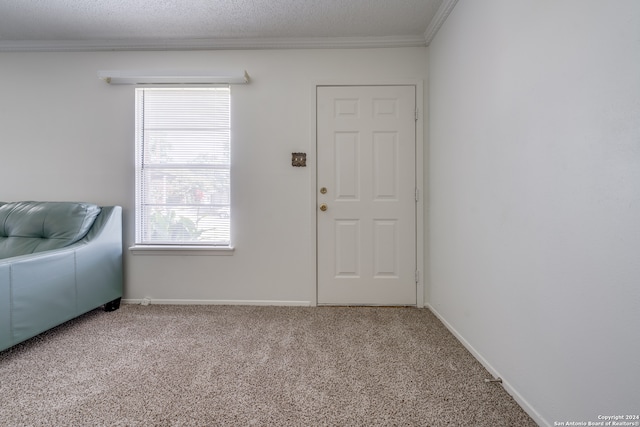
x=28, y=227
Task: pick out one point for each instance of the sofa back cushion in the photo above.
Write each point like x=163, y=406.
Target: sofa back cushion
x=28, y=227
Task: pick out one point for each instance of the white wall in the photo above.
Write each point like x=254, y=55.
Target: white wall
x=66, y=135
x=535, y=198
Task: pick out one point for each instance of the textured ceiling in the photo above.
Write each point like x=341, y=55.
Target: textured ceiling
x=103, y=21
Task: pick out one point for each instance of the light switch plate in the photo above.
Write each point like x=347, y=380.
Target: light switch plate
x=299, y=159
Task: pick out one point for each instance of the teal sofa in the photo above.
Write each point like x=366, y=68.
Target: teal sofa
x=58, y=260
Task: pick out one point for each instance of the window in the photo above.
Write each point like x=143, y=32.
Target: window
x=183, y=166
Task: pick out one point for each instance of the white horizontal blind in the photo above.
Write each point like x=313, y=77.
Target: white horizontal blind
x=183, y=166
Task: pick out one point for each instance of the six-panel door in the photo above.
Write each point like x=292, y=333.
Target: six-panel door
x=366, y=162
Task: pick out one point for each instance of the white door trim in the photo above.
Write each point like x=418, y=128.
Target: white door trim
x=420, y=173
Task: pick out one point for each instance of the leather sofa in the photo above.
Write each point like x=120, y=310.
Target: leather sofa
x=58, y=260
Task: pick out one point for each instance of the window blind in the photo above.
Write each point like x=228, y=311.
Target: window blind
x=183, y=166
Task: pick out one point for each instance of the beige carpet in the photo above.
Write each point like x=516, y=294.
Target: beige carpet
x=247, y=365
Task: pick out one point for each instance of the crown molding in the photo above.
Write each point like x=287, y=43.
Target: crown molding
x=441, y=15
x=211, y=44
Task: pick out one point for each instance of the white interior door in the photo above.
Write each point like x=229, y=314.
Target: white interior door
x=366, y=145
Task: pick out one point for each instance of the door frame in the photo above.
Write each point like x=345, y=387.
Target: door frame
x=420, y=173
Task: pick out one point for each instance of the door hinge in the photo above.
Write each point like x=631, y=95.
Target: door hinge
x=417, y=114
x=417, y=194
x=417, y=276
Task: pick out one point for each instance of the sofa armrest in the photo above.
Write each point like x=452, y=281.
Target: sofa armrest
x=99, y=274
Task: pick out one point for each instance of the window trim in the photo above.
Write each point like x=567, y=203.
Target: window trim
x=203, y=250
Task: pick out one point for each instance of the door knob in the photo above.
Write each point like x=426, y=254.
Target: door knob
x=323, y=207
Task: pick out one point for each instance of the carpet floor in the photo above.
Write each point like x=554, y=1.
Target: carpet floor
x=246, y=365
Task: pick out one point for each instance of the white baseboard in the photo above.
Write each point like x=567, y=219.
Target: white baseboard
x=509, y=389
x=218, y=302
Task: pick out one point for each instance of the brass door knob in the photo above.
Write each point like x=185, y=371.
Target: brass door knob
x=323, y=207
x=323, y=190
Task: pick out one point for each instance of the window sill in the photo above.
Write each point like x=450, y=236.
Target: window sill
x=181, y=250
